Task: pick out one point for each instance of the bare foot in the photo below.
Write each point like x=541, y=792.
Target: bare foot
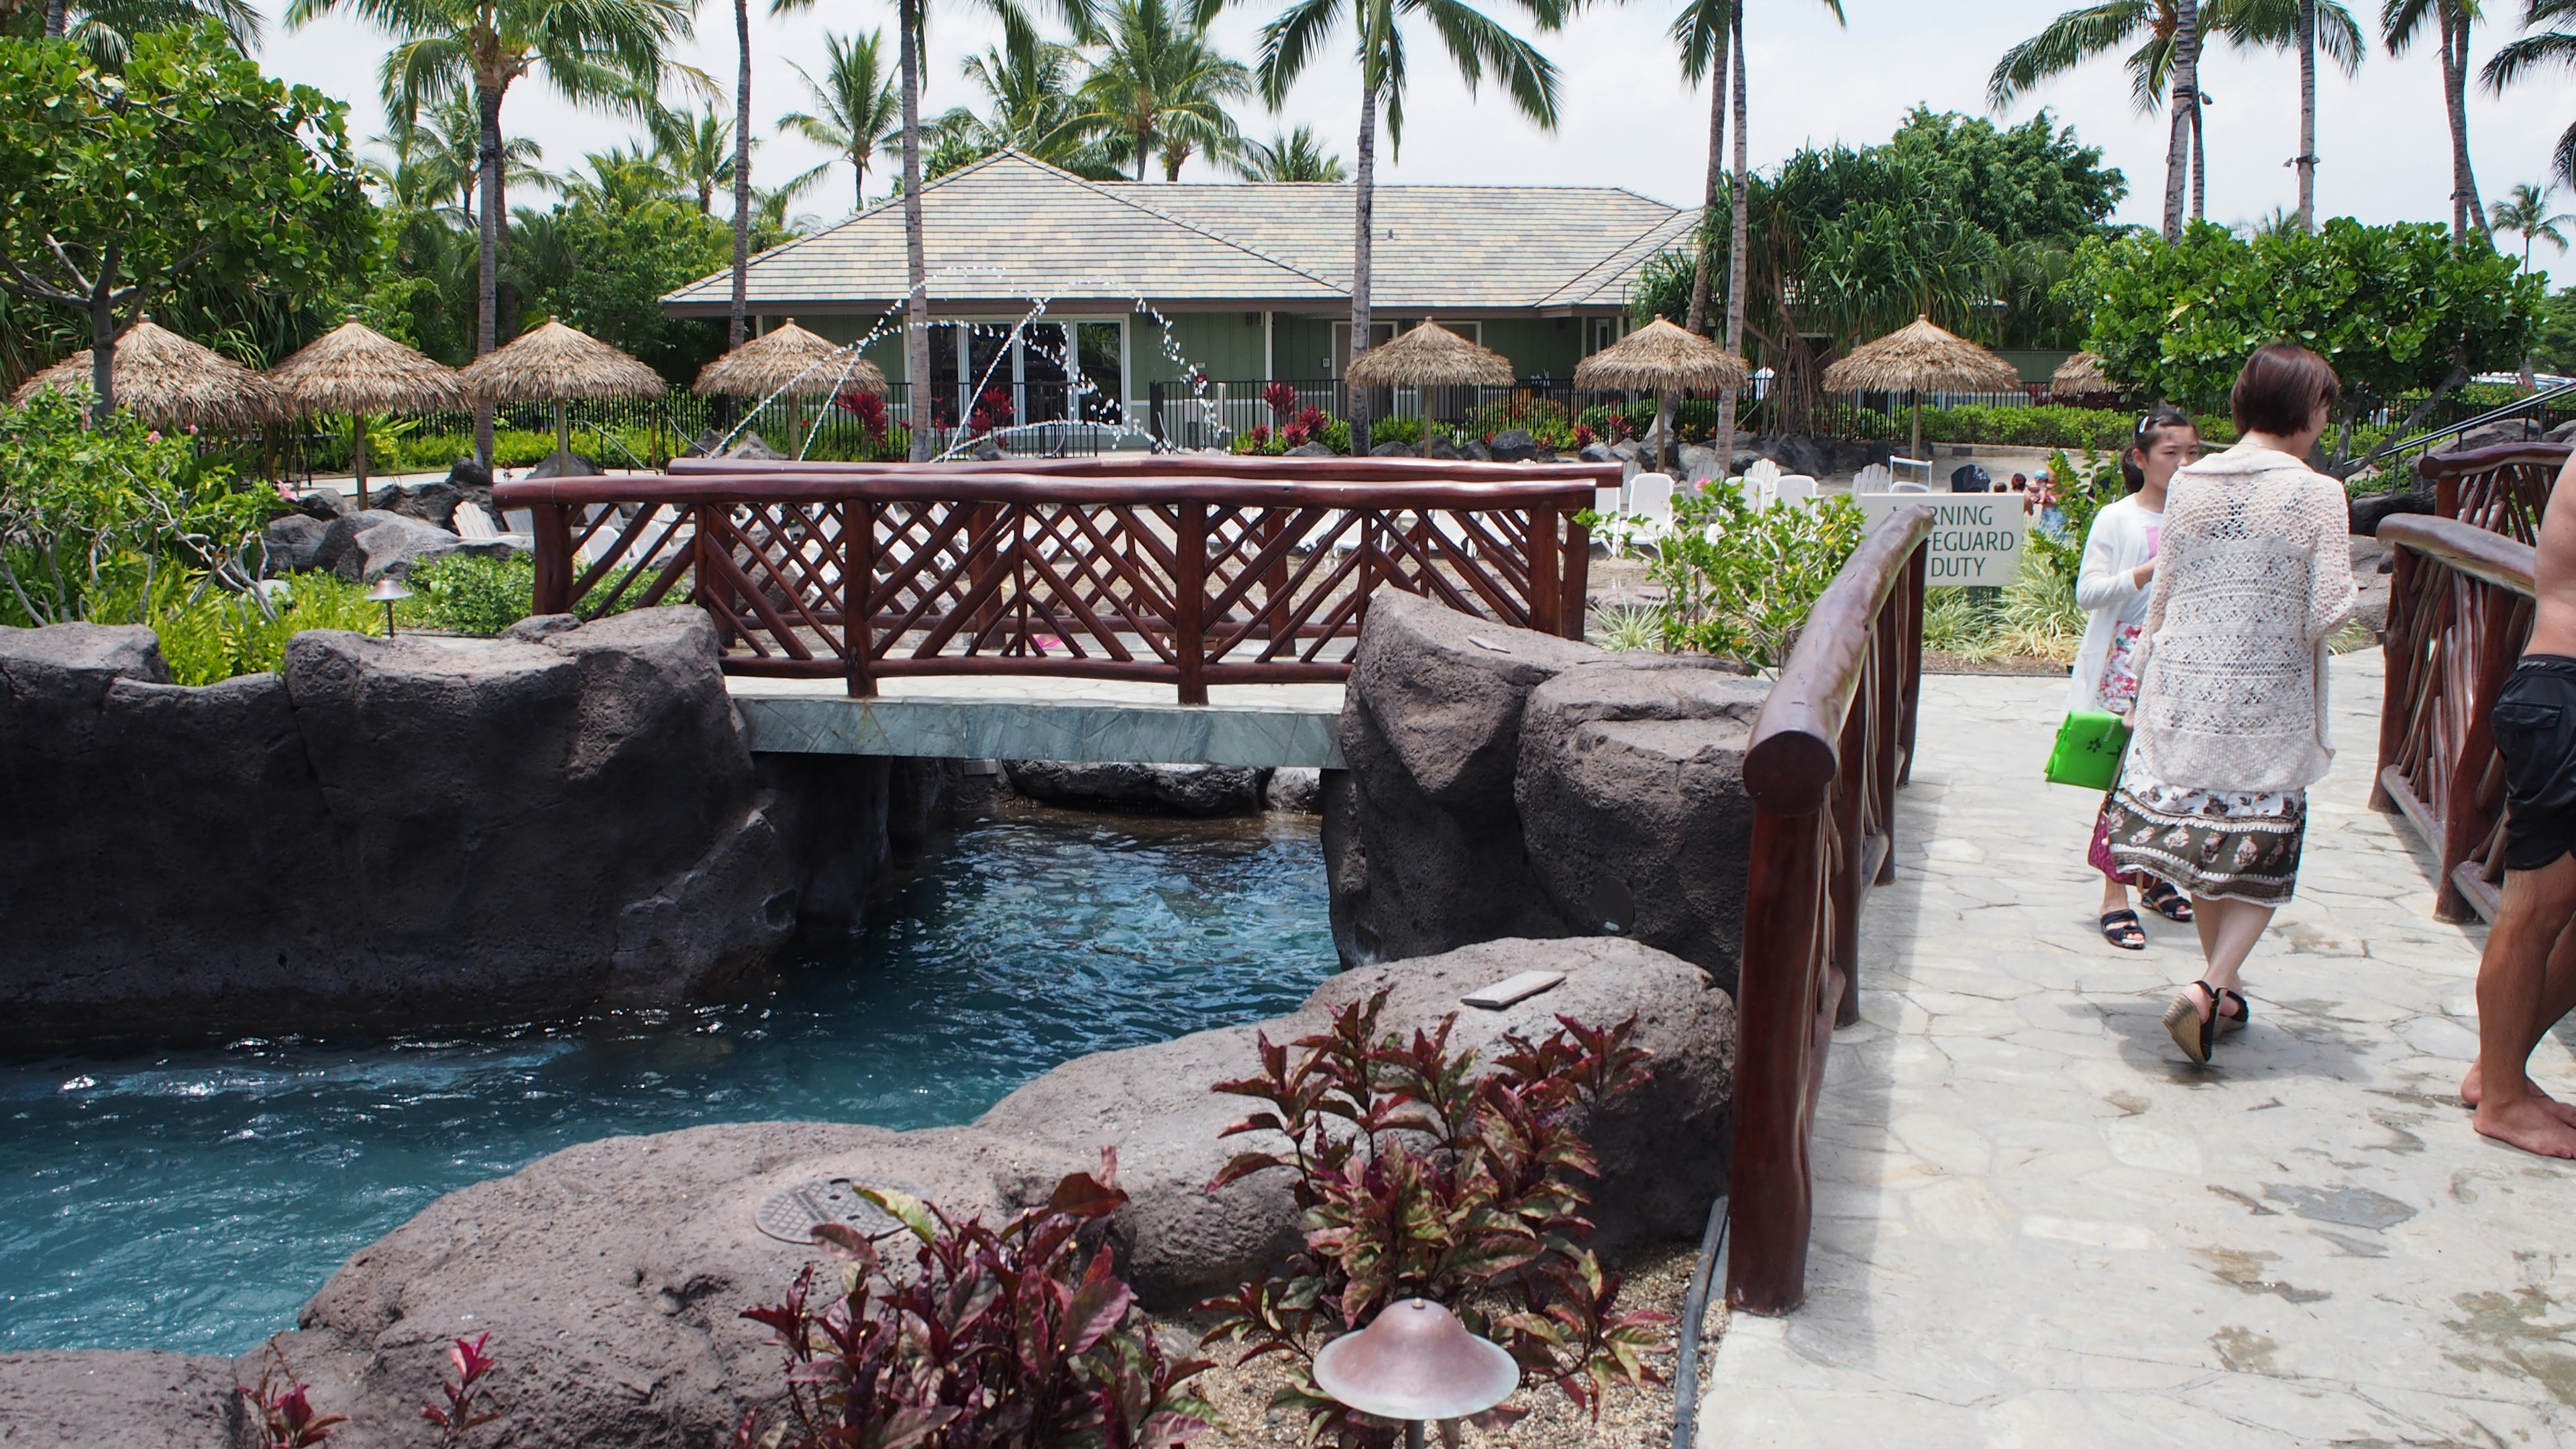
x=2473, y=1092
x=2529, y=1125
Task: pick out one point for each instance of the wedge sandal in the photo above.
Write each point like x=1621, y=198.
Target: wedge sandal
x=2190, y=1030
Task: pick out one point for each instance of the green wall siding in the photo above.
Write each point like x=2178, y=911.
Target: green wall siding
x=1221, y=344
x=1537, y=346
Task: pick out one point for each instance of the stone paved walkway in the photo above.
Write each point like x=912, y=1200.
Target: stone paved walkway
x=2038, y=1226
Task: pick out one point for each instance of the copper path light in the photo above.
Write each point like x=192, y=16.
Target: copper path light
x=1417, y=1362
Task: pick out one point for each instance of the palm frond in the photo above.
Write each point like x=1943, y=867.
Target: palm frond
x=2068, y=41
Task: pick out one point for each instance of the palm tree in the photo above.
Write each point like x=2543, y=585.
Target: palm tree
x=696, y=148
x=854, y=109
x=594, y=52
x=1035, y=110
x=623, y=177
x=2303, y=27
x=1702, y=31
x=2400, y=21
x=1739, y=236
x=1158, y=86
x=2532, y=52
x=2526, y=213
x=106, y=28
x=1475, y=42
x=435, y=157
x=1297, y=156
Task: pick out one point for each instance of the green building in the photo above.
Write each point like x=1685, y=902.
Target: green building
x=1072, y=298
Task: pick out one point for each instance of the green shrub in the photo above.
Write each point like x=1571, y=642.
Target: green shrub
x=460, y=594
x=1739, y=578
x=209, y=633
x=1407, y=431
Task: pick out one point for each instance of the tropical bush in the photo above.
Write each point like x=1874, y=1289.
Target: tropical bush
x=1545, y=419
x=460, y=594
x=1739, y=577
x=2048, y=425
x=1419, y=1177
x=1021, y=1338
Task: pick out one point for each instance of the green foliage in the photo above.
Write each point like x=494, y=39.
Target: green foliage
x=604, y=267
x=1739, y=578
x=1542, y=418
x=210, y=633
x=460, y=594
x=1407, y=431
x=191, y=168
x=2028, y=183
x=2397, y=309
x=2078, y=491
x=81, y=507
x=1625, y=627
x=2553, y=340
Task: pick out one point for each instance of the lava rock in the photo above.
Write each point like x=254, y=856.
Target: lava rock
x=1201, y=790
x=1296, y=790
x=1394, y=450
x=2563, y=433
x=1477, y=452
x=2370, y=509
x=1310, y=450
x=611, y=1276
x=1632, y=804
x=465, y=475
x=364, y=547
x=987, y=450
x=538, y=628
x=1428, y=855
x=322, y=503
x=570, y=465
x=1443, y=447
x=1597, y=453
x=119, y=1399
x=2495, y=435
x=509, y=828
x=1661, y=1146
x=431, y=503
x=1698, y=463
x=292, y=539
x=1513, y=445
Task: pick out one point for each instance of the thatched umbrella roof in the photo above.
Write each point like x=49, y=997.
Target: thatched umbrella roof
x=789, y=358
x=1660, y=355
x=556, y=364
x=1920, y=357
x=1430, y=356
x=2079, y=376
x=356, y=369
x=169, y=381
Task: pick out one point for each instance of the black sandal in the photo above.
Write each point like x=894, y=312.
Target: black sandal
x=2121, y=929
x=2228, y=1025
x=2191, y=1031
x=2161, y=898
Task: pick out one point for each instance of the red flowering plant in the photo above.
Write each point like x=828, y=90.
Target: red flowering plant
x=992, y=410
x=460, y=1415
x=1282, y=398
x=282, y=1415
x=1421, y=1177
x=1021, y=1338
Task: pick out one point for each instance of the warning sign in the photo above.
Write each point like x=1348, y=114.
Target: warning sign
x=1976, y=537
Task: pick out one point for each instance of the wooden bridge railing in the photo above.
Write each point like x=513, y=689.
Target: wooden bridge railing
x=1189, y=569
x=1829, y=751
x=2459, y=612
x=2502, y=489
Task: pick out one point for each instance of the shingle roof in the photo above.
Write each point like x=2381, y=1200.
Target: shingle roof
x=1008, y=229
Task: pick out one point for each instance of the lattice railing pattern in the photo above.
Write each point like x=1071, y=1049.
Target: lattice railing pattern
x=2502, y=490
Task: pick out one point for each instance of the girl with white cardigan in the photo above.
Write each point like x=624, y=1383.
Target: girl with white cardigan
x=2114, y=585
x=2231, y=724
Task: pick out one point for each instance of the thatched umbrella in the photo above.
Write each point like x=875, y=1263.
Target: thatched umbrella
x=357, y=370
x=1662, y=359
x=2078, y=376
x=555, y=364
x=1430, y=356
x=168, y=381
x=1920, y=358
x=788, y=359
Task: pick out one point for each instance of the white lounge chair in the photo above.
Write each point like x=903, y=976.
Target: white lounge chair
x=1650, y=499
x=1797, y=489
x=1873, y=479
x=1922, y=468
x=474, y=525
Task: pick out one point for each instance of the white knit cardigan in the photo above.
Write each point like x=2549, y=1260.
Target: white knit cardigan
x=2256, y=573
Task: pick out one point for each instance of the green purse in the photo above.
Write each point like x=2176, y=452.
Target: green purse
x=2089, y=746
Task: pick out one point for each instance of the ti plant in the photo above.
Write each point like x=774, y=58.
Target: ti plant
x=1421, y=1177
x=460, y=1416
x=1011, y=1339
x=281, y=1410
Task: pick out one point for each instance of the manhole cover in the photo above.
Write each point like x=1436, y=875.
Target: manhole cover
x=791, y=1215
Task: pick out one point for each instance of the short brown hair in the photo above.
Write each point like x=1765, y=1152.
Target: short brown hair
x=2280, y=389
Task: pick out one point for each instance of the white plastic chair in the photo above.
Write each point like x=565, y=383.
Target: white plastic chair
x=474, y=525
x=1762, y=478
x=1797, y=489
x=1873, y=479
x=1909, y=487
x=1650, y=498
x=1923, y=467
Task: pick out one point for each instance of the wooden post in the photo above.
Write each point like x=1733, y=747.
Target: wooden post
x=1578, y=574
x=858, y=592
x=1912, y=645
x=1886, y=700
x=1546, y=605
x=2400, y=656
x=2462, y=829
x=1773, y=1197
x=1189, y=602
x=552, y=593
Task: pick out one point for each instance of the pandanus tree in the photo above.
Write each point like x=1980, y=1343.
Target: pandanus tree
x=1158, y=87
x=2553, y=48
x=602, y=53
x=855, y=108
x=1477, y=44
x=2402, y=23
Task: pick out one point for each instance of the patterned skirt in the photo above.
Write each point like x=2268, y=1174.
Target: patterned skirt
x=2227, y=845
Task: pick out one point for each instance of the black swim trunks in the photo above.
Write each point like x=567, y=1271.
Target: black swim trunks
x=2535, y=731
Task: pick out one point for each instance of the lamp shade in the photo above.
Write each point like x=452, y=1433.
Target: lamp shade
x=1417, y=1361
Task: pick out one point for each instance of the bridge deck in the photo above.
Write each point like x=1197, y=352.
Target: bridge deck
x=2036, y=1225
x=1005, y=717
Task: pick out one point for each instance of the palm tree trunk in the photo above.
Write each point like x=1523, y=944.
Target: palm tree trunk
x=2186, y=85
x=1698, y=323
x=1364, y=177
x=734, y=318
x=1740, y=223
x=2307, y=158
x=1142, y=152
x=487, y=286
x=916, y=322
x=102, y=341
x=2466, y=212
x=858, y=183
x=2199, y=162
x=57, y=19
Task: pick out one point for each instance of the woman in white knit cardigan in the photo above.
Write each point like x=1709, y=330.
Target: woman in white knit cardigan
x=2230, y=725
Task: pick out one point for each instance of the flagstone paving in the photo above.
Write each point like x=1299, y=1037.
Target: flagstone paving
x=2036, y=1225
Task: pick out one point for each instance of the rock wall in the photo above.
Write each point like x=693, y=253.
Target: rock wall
x=407, y=831
x=1502, y=782
x=611, y=1275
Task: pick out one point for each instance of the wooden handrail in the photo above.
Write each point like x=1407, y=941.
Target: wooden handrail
x=2459, y=612
x=1832, y=745
x=1193, y=570
x=2503, y=489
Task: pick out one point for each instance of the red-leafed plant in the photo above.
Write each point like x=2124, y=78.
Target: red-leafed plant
x=460, y=1416
x=867, y=407
x=1011, y=1339
x=281, y=1410
x=1421, y=1177
x=1282, y=398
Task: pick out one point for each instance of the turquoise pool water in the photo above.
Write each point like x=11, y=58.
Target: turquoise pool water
x=193, y=1200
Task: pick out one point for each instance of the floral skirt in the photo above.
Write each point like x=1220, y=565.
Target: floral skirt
x=2227, y=845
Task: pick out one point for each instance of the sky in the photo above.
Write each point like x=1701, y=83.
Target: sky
x=1629, y=120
